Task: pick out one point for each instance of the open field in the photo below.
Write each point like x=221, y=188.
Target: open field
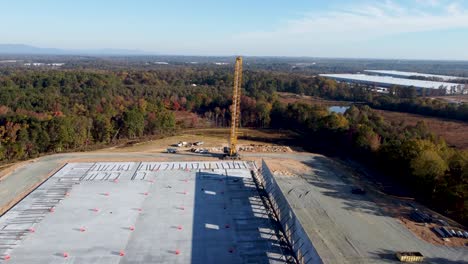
x=290, y=98
x=453, y=132
x=454, y=98
x=212, y=138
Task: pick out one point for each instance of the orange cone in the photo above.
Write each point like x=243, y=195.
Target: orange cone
x=52, y=209
x=32, y=230
x=82, y=229
x=6, y=257
x=65, y=254
x=121, y=253
x=131, y=228
x=106, y=194
x=177, y=252
x=179, y=227
x=96, y=210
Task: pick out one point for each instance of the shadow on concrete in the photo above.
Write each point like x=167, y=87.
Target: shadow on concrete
x=334, y=182
x=229, y=225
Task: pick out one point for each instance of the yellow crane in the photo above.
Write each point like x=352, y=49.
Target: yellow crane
x=231, y=151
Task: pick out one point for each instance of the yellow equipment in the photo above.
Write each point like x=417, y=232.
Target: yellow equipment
x=409, y=256
x=231, y=152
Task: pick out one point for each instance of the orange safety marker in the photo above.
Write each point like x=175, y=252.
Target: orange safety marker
x=82, y=229
x=32, y=230
x=65, y=254
x=52, y=209
x=177, y=252
x=131, y=228
x=121, y=253
x=96, y=210
x=179, y=227
x=6, y=257
x=145, y=193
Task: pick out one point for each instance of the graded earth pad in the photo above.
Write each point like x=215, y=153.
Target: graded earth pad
x=143, y=212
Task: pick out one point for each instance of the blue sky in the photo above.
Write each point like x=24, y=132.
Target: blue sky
x=407, y=29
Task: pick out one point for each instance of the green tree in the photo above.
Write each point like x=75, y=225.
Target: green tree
x=428, y=167
x=133, y=123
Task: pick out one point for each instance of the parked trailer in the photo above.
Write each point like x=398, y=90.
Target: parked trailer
x=439, y=232
x=410, y=256
x=446, y=231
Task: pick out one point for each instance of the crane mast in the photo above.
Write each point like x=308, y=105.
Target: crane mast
x=235, y=114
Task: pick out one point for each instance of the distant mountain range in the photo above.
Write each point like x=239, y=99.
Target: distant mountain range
x=21, y=49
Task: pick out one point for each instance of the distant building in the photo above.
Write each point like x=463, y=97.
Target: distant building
x=402, y=74
x=388, y=82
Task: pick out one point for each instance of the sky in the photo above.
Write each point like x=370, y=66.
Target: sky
x=398, y=29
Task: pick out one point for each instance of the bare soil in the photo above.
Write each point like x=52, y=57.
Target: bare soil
x=290, y=98
x=455, y=133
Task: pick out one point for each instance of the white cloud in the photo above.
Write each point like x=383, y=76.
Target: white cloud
x=356, y=24
x=454, y=9
x=429, y=2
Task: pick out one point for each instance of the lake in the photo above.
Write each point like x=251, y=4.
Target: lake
x=338, y=109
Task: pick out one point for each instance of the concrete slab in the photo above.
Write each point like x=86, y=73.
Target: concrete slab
x=348, y=228
x=152, y=212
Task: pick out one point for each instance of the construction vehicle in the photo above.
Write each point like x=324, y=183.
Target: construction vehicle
x=231, y=151
x=409, y=256
x=171, y=150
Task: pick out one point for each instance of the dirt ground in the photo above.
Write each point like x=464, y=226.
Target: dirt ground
x=287, y=167
x=290, y=98
x=455, y=133
x=454, y=98
x=214, y=140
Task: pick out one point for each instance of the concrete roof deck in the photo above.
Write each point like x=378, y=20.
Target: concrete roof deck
x=152, y=212
x=349, y=228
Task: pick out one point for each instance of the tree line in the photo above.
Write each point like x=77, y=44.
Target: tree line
x=410, y=156
x=59, y=110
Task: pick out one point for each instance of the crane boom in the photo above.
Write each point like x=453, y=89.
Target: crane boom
x=235, y=114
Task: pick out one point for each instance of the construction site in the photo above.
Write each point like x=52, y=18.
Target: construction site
x=241, y=202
